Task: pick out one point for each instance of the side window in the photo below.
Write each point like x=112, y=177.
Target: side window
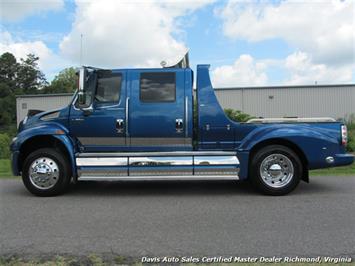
x=108, y=87
x=157, y=87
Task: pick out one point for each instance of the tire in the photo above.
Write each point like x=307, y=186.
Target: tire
x=275, y=170
x=46, y=172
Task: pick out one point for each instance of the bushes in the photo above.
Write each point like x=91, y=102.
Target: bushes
x=349, y=120
x=351, y=137
x=4, y=146
x=237, y=115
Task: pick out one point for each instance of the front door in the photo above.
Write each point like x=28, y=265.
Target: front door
x=157, y=105
x=104, y=128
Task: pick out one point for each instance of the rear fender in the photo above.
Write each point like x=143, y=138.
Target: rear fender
x=315, y=144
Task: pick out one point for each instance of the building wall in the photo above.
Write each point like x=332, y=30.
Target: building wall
x=314, y=101
x=302, y=101
x=39, y=102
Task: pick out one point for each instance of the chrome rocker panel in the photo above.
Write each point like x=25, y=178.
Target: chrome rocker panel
x=158, y=166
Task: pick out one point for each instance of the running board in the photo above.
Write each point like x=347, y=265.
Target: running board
x=189, y=165
x=157, y=178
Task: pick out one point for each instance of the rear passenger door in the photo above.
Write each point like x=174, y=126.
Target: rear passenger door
x=156, y=108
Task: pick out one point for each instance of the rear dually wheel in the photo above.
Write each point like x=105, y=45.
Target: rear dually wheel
x=275, y=170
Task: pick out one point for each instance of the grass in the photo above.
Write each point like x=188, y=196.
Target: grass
x=341, y=170
x=5, y=170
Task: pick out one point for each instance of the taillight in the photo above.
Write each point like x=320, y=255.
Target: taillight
x=344, y=135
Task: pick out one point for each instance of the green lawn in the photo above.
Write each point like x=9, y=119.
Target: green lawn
x=342, y=170
x=5, y=170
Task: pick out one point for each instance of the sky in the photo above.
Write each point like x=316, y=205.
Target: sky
x=247, y=43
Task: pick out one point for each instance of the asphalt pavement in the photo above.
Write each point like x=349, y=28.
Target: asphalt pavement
x=180, y=218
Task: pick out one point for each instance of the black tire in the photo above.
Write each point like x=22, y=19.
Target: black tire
x=280, y=152
x=61, y=181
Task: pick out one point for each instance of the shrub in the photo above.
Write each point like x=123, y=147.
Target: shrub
x=351, y=138
x=4, y=146
x=237, y=115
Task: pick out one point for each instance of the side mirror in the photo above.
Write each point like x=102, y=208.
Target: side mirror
x=81, y=98
x=84, y=96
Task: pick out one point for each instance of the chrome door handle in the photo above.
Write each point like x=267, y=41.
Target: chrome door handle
x=119, y=125
x=77, y=119
x=179, y=125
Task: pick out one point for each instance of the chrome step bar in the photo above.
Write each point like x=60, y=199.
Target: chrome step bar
x=181, y=165
x=157, y=178
x=154, y=153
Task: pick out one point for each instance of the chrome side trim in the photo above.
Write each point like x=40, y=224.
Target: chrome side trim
x=158, y=178
x=119, y=141
x=225, y=171
x=102, y=161
x=159, y=161
x=215, y=160
x=292, y=120
x=158, y=141
x=148, y=154
x=136, y=171
x=112, y=173
x=127, y=117
x=186, y=118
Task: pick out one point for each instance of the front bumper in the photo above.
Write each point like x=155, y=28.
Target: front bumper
x=343, y=159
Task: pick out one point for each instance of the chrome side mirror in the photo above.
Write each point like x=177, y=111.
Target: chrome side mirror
x=81, y=98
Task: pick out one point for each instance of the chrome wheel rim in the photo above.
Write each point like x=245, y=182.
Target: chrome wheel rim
x=276, y=170
x=44, y=173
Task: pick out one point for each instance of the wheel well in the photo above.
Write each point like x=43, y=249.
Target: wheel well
x=288, y=144
x=38, y=142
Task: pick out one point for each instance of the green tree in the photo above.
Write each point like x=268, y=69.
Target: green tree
x=29, y=77
x=237, y=115
x=22, y=77
x=65, y=81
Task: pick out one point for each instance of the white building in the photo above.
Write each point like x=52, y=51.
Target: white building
x=337, y=101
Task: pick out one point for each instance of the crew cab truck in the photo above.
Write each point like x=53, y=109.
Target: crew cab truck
x=146, y=124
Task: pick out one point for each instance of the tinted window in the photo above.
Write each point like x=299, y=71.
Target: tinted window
x=157, y=87
x=108, y=87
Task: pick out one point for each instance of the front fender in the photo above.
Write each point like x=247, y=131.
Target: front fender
x=52, y=129
x=315, y=143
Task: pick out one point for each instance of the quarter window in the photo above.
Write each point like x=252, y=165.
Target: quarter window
x=108, y=87
x=157, y=87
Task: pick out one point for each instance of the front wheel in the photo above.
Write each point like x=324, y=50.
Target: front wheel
x=275, y=170
x=46, y=172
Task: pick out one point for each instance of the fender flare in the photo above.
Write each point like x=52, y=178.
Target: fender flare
x=307, y=141
x=52, y=129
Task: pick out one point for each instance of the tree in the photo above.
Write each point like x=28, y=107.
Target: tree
x=237, y=115
x=65, y=81
x=16, y=78
x=8, y=73
x=30, y=78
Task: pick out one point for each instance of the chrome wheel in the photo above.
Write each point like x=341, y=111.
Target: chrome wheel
x=276, y=170
x=44, y=173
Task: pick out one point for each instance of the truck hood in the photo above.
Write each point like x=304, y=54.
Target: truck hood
x=36, y=117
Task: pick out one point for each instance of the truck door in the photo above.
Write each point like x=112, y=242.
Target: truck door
x=103, y=129
x=158, y=118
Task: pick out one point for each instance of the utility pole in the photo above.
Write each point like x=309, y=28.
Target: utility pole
x=81, y=49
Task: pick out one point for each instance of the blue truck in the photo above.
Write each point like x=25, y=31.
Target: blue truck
x=148, y=124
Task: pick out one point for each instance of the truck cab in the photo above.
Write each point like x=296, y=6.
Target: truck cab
x=148, y=124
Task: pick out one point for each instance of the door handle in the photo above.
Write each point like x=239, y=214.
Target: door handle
x=77, y=119
x=119, y=125
x=179, y=125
